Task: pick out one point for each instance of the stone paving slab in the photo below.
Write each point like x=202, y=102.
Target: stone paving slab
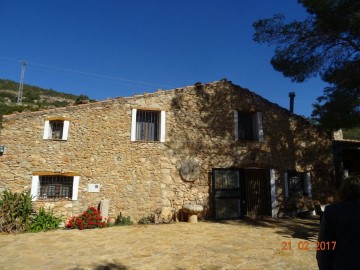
x=245, y=244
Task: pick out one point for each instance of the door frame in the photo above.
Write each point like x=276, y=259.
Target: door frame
x=241, y=191
x=233, y=193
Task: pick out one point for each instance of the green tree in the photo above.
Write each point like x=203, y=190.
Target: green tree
x=326, y=43
x=30, y=96
x=82, y=99
x=352, y=134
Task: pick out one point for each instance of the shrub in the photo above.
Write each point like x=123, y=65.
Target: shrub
x=146, y=220
x=90, y=219
x=123, y=221
x=16, y=212
x=44, y=221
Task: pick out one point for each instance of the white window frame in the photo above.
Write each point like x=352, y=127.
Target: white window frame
x=47, y=130
x=35, y=187
x=162, y=136
x=259, y=126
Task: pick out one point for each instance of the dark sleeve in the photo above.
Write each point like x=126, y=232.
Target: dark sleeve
x=325, y=258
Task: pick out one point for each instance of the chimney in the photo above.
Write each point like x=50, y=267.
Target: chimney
x=292, y=96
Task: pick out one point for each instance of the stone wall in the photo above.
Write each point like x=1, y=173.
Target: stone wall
x=140, y=178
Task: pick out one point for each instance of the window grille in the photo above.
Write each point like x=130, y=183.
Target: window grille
x=296, y=184
x=226, y=179
x=55, y=186
x=56, y=130
x=147, y=125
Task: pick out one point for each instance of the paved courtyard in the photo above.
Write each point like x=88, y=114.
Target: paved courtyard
x=242, y=244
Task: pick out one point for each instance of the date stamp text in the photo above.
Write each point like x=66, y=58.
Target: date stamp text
x=307, y=245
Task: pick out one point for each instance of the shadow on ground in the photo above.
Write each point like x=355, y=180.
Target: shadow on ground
x=306, y=229
x=119, y=266
x=107, y=266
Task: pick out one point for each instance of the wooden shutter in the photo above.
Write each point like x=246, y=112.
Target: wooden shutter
x=236, y=125
x=46, y=130
x=259, y=123
x=75, y=188
x=286, y=184
x=273, y=193
x=162, y=126
x=65, y=130
x=308, y=184
x=35, y=184
x=133, y=125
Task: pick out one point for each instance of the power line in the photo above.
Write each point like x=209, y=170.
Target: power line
x=90, y=74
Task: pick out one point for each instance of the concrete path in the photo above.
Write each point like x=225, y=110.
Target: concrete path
x=246, y=244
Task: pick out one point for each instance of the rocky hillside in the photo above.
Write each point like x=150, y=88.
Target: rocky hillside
x=34, y=98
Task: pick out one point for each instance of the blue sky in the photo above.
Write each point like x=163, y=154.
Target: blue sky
x=121, y=47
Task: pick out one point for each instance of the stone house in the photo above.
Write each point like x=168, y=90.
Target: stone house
x=214, y=144
x=346, y=156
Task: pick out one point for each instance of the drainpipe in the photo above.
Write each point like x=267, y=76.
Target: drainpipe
x=292, y=96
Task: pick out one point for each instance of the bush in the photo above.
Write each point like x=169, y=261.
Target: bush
x=146, y=220
x=90, y=219
x=16, y=212
x=44, y=221
x=123, y=221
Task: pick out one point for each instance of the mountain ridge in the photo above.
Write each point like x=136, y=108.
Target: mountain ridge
x=34, y=98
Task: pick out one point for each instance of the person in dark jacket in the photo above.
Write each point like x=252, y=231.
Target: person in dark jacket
x=338, y=246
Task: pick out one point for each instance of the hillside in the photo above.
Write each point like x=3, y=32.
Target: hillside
x=34, y=98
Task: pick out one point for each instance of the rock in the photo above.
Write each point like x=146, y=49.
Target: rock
x=166, y=215
x=192, y=210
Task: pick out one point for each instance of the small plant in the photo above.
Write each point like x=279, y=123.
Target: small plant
x=144, y=220
x=90, y=219
x=16, y=212
x=148, y=219
x=44, y=221
x=123, y=221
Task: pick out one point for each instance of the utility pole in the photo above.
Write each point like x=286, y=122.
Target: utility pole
x=21, y=85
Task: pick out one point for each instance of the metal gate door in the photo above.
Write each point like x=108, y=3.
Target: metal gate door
x=258, y=200
x=239, y=192
x=227, y=189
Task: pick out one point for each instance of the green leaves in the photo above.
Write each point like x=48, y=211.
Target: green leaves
x=16, y=212
x=45, y=221
x=89, y=219
x=327, y=44
x=337, y=109
x=123, y=221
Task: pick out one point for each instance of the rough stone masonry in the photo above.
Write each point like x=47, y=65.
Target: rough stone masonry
x=141, y=178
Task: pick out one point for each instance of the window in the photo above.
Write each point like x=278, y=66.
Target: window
x=297, y=184
x=226, y=179
x=56, y=129
x=55, y=186
x=148, y=125
x=248, y=126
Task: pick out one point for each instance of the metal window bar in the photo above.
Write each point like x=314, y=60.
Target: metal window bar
x=56, y=130
x=226, y=179
x=296, y=184
x=55, y=187
x=147, y=125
